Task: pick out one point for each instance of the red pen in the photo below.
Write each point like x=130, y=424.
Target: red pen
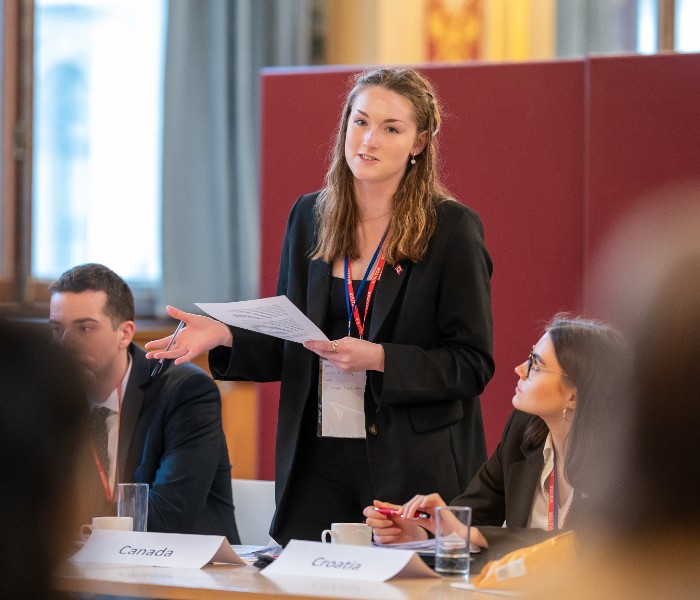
x=395, y=513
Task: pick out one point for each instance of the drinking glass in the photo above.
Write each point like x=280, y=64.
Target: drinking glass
x=132, y=501
x=452, y=540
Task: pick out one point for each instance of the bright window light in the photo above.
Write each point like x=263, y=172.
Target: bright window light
x=97, y=136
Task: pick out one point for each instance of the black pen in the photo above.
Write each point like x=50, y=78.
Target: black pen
x=161, y=363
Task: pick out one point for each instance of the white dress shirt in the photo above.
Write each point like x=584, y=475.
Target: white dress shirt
x=539, y=514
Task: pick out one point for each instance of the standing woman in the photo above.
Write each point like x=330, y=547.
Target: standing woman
x=396, y=274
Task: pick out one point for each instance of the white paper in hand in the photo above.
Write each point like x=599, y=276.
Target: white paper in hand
x=276, y=316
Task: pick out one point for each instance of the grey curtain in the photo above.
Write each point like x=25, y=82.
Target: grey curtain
x=215, y=50
x=596, y=26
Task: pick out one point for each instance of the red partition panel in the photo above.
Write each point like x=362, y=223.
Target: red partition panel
x=299, y=114
x=643, y=134
x=511, y=147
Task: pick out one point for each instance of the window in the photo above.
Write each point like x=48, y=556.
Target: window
x=92, y=190
x=687, y=23
x=647, y=38
x=686, y=18
x=98, y=71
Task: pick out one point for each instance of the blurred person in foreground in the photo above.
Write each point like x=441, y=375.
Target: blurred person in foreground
x=163, y=430
x=533, y=485
x=644, y=518
x=43, y=436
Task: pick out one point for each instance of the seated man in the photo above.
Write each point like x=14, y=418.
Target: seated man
x=164, y=430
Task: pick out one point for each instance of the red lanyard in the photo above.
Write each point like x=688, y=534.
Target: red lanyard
x=350, y=299
x=351, y=294
x=104, y=476
x=553, y=512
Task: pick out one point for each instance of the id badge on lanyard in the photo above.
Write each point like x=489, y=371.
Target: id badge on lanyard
x=342, y=395
x=342, y=402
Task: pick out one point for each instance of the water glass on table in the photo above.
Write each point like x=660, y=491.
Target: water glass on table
x=132, y=501
x=452, y=540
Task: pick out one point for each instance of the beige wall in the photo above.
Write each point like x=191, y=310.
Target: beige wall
x=382, y=32
x=360, y=32
x=519, y=29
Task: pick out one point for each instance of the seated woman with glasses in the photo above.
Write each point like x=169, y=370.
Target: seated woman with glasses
x=536, y=479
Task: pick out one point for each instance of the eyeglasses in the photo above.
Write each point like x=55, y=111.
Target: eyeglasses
x=533, y=366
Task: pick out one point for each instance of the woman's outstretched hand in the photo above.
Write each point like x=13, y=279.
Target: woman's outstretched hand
x=200, y=334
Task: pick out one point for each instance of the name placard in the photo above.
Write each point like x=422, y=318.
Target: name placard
x=156, y=549
x=343, y=561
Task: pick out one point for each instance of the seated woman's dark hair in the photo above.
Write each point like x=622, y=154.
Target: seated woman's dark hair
x=592, y=355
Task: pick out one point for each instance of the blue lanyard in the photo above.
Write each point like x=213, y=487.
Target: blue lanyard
x=351, y=309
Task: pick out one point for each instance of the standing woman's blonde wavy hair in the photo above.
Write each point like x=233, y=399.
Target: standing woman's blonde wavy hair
x=413, y=212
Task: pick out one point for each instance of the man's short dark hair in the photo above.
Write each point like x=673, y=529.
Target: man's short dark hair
x=98, y=278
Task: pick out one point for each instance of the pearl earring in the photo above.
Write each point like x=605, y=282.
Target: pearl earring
x=413, y=159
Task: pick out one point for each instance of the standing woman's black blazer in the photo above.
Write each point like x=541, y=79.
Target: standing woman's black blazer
x=433, y=318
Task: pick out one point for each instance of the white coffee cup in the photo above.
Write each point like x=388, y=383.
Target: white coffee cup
x=114, y=523
x=357, y=534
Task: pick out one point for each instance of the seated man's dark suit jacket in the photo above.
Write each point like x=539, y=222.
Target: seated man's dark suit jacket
x=503, y=490
x=171, y=437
